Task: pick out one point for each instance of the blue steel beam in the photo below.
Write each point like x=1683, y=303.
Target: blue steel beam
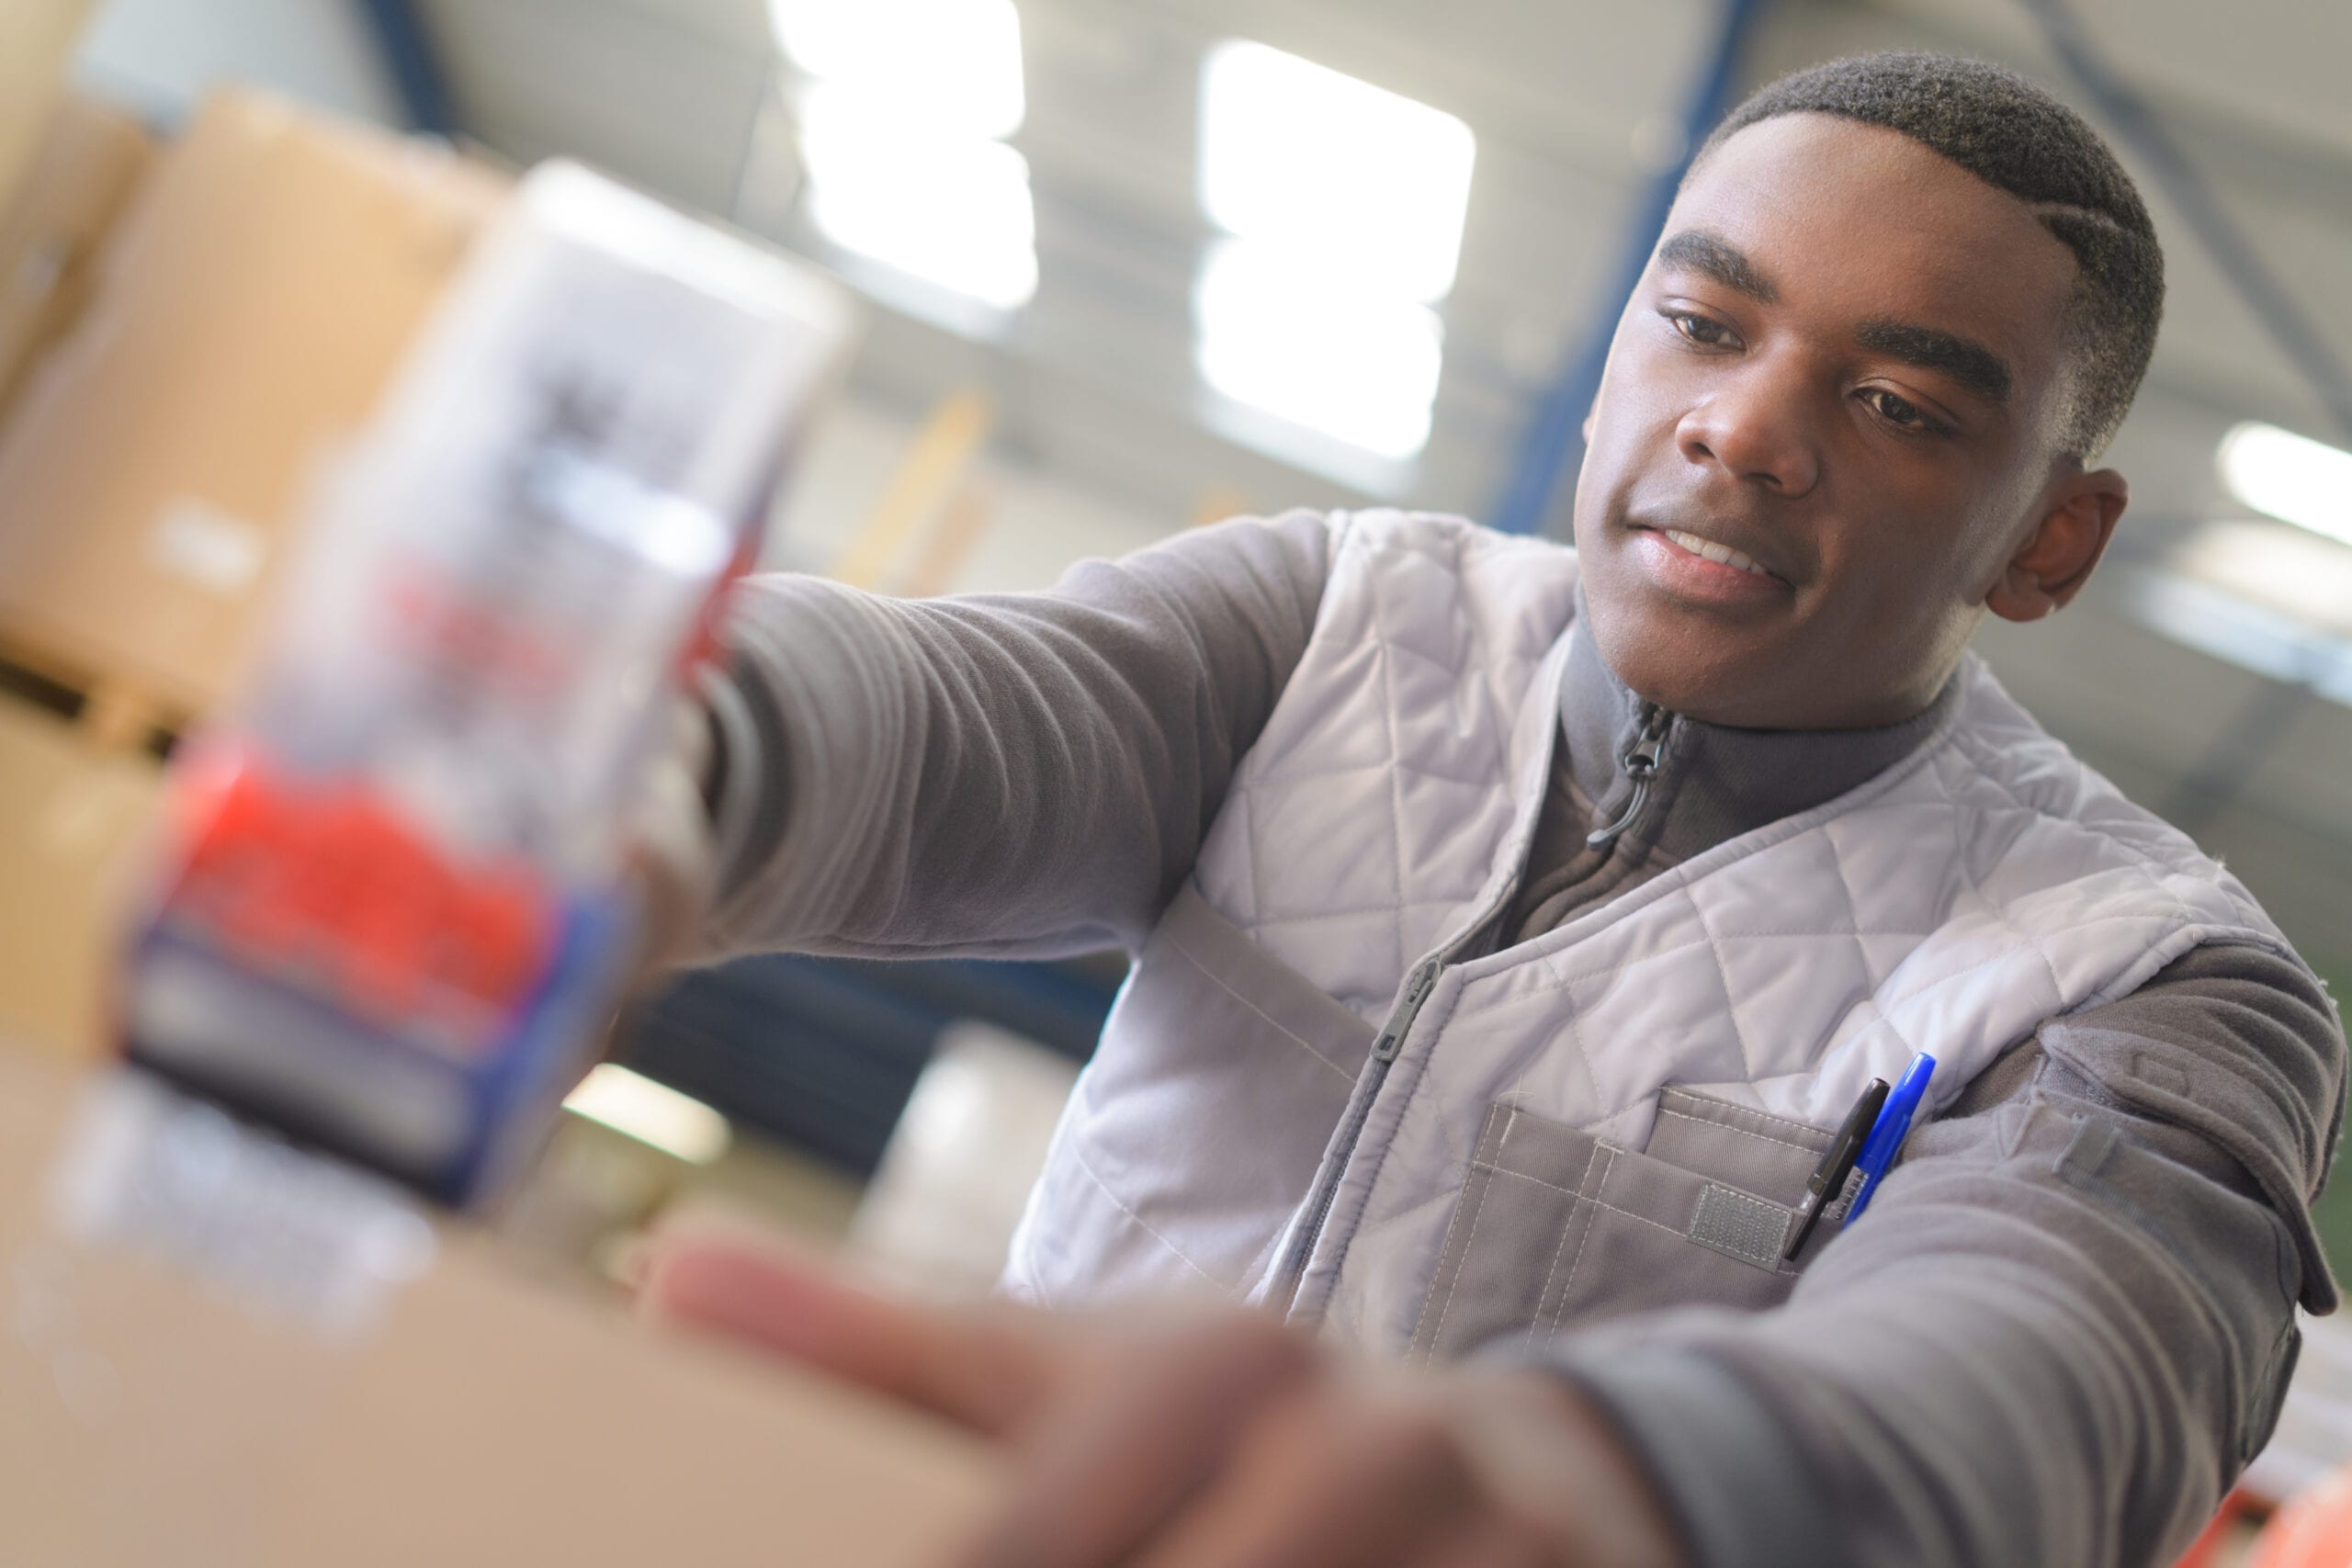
x=1554, y=444
x=405, y=40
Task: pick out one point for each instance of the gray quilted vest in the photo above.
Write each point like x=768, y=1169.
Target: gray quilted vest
x=1319, y=1089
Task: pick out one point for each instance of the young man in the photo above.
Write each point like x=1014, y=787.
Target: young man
x=1514, y=926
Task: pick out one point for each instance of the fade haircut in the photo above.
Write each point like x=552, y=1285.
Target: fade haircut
x=2016, y=138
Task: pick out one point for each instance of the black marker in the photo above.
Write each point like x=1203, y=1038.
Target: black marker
x=1829, y=1178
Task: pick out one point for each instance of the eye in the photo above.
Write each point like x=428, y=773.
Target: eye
x=1900, y=412
x=1704, y=330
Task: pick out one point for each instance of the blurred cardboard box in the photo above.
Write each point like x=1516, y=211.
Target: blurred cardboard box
x=250, y=306
x=36, y=44
x=491, y=1418
x=81, y=174
x=70, y=817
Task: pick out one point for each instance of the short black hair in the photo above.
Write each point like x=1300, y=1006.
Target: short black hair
x=2016, y=138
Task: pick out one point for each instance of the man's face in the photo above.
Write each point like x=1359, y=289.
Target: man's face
x=1845, y=363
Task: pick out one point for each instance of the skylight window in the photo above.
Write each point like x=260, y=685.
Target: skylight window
x=901, y=129
x=1297, y=153
x=954, y=212
x=2307, y=579
x=951, y=65
x=1343, y=204
x=2271, y=596
x=2292, y=477
x=1277, y=333
x=2217, y=622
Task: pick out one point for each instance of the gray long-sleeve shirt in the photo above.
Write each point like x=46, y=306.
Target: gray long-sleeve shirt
x=2068, y=1321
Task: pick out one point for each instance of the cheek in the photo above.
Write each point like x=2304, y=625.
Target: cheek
x=1638, y=386
x=1918, y=578
x=1632, y=440
x=1977, y=553
x=1915, y=525
x=1649, y=389
x=1885, y=570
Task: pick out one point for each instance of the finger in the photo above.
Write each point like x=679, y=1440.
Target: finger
x=673, y=848
x=1487, y=1542
x=1103, y=1473
x=981, y=1368
x=1328, y=1482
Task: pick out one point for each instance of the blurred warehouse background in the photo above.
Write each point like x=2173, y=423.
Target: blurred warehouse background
x=1112, y=295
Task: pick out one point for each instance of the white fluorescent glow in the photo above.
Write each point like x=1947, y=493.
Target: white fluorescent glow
x=1273, y=331
x=945, y=65
x=2215, y=621
x=1372, y=184
x=2292, y=477
x=953, y=210
x=2305, y=579
x=653, y=1113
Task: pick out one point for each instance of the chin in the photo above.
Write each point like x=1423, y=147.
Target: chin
x=1702, y=694
x=1687, y=663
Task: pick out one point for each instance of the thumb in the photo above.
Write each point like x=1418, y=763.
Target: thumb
x=983, y=1367
x=673, y=853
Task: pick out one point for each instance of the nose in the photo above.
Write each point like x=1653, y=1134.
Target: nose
x=1754, y=427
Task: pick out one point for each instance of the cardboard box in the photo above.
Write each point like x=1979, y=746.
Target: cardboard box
x=492, y=1419
x=36, y=43
x=88, y=160
x=252, y=303
x=70, y=820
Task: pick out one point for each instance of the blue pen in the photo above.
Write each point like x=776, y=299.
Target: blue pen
x=1894, y=1124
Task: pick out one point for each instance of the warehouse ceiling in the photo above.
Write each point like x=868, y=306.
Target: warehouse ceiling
x=1571, y=103
x=2191, y=673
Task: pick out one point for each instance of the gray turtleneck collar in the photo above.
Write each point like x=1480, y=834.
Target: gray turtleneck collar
x=1713, y=782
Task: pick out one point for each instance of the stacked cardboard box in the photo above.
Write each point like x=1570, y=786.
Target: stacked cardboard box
x=82, y=173
x=185, y=333
x=36, y=42
x=248, y=308
x=150, y=1414
x=70, y=820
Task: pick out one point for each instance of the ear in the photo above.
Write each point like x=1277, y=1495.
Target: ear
x=2057, y=557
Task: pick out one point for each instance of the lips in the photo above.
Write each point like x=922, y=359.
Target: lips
x=1711, y=544
x=1722, y=554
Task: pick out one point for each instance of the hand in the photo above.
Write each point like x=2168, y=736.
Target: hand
x=673, y=853
x=1202, y=1435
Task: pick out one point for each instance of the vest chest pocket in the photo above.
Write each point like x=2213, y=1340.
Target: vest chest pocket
x=1557, y=1228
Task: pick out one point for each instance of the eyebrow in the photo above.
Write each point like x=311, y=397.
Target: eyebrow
x=1970, y=363
x=1696, y=250
x=1966, y=361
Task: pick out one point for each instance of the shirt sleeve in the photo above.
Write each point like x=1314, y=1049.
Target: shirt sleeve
x=1018, y=774
x=2061, y=1329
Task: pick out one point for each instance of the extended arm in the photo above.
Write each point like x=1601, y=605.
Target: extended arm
x=1009, y=774
x=2059, y=1334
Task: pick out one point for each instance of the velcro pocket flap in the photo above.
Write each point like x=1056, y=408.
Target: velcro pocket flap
x=1556, y=1227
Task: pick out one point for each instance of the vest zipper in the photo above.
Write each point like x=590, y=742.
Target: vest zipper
x=1401, y=1017
x=1391, y=1039
x=1384, y=1051
x=1640, y=764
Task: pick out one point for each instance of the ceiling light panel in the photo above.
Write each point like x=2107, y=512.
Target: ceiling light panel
x=1365, y=179
x=954, y=212
x=2292, y=477
x=1274, y=329
x=2304, y=578
x=947, y=65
